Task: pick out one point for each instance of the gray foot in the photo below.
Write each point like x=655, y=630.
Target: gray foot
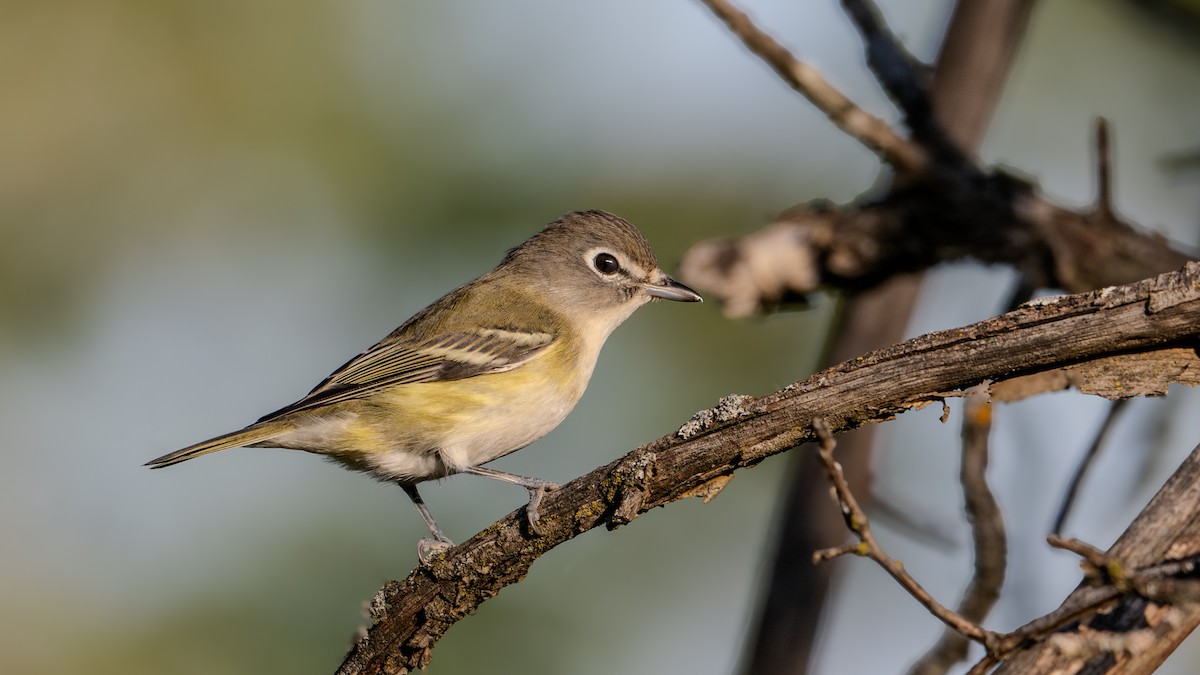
x=427, y=548
x=536, y=492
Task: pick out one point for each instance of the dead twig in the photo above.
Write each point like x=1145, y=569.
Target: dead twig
x=869, y=130
x=1089, y=457
x=1151, y=315
x=857, y=522
x=1111, y=580
x=1155, y=561
x=1169, y=581
x=906, y=81
x=987, y=532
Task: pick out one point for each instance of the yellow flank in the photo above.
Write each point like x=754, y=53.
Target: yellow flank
x=480, y=417
x=485, y=370
x=362, y=438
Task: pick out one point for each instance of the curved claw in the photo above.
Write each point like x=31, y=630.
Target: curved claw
x=536, y=492
x=428, y=548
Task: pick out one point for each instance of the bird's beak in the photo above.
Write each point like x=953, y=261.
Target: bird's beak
x=668, y=289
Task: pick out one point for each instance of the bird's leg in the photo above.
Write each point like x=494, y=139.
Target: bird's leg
x=426, y=548
x=536, y=486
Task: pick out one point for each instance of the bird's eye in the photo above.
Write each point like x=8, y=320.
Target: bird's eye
x=606, y=263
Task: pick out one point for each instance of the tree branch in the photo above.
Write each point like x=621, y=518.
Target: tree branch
x=972, y=63
x=975, y=56
x=412, y=615
x=1134, y=613
x=1085, y=463
x=987, y=531
x=905, y=80
x=793, y=592
x=947, y=208
x=996, y=220
x=858, y=523
x=1150, y=592
x=871, y=131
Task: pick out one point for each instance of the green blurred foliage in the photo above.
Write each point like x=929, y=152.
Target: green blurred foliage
x=207, y=206
x=176, y=177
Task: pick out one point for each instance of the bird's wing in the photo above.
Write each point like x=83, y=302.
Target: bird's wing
x=448, y=356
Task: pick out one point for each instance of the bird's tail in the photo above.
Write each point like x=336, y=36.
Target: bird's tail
x=255, y=433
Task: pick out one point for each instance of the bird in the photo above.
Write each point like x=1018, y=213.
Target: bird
x=482, y=372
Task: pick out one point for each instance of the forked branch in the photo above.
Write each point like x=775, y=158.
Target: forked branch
x=1161, y=586
x=857, y=522
x=1110, y=327
x=871, y=131
x=946, y=206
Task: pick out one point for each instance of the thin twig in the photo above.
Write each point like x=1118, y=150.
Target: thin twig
x=904, y=79
x=1085, y=605
x=871, y=131
x=1096, y=558
x=1150, y=547
x=1151, y=315
x=1064, y=511
x=1110, y=578
x=857, y=522
x=1170, y=581
x=987, y=531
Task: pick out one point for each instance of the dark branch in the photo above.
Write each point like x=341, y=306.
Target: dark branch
x=415, y=613
x=788, y=618
x=948, y=207
x=1149, y=592
x=997, y=220
x=973, y=61
x=905, y=80
x=871, y=131
x=1093, y=451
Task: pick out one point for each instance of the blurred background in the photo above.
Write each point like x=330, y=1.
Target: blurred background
x=206, y=207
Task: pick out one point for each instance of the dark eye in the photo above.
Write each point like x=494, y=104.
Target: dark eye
x=605, y=263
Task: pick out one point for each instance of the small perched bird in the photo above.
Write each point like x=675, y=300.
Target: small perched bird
x=486, y=370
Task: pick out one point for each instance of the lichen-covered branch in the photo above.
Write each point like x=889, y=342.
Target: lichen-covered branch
x=1164, y=312
x=1147, y=583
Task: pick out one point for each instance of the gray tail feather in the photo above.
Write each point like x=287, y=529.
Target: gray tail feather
x=254, y=433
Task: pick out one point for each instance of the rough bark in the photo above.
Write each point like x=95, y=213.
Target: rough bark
x=1145, y=632
x=970, y=71
x=794, y=592
x=410, y=616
